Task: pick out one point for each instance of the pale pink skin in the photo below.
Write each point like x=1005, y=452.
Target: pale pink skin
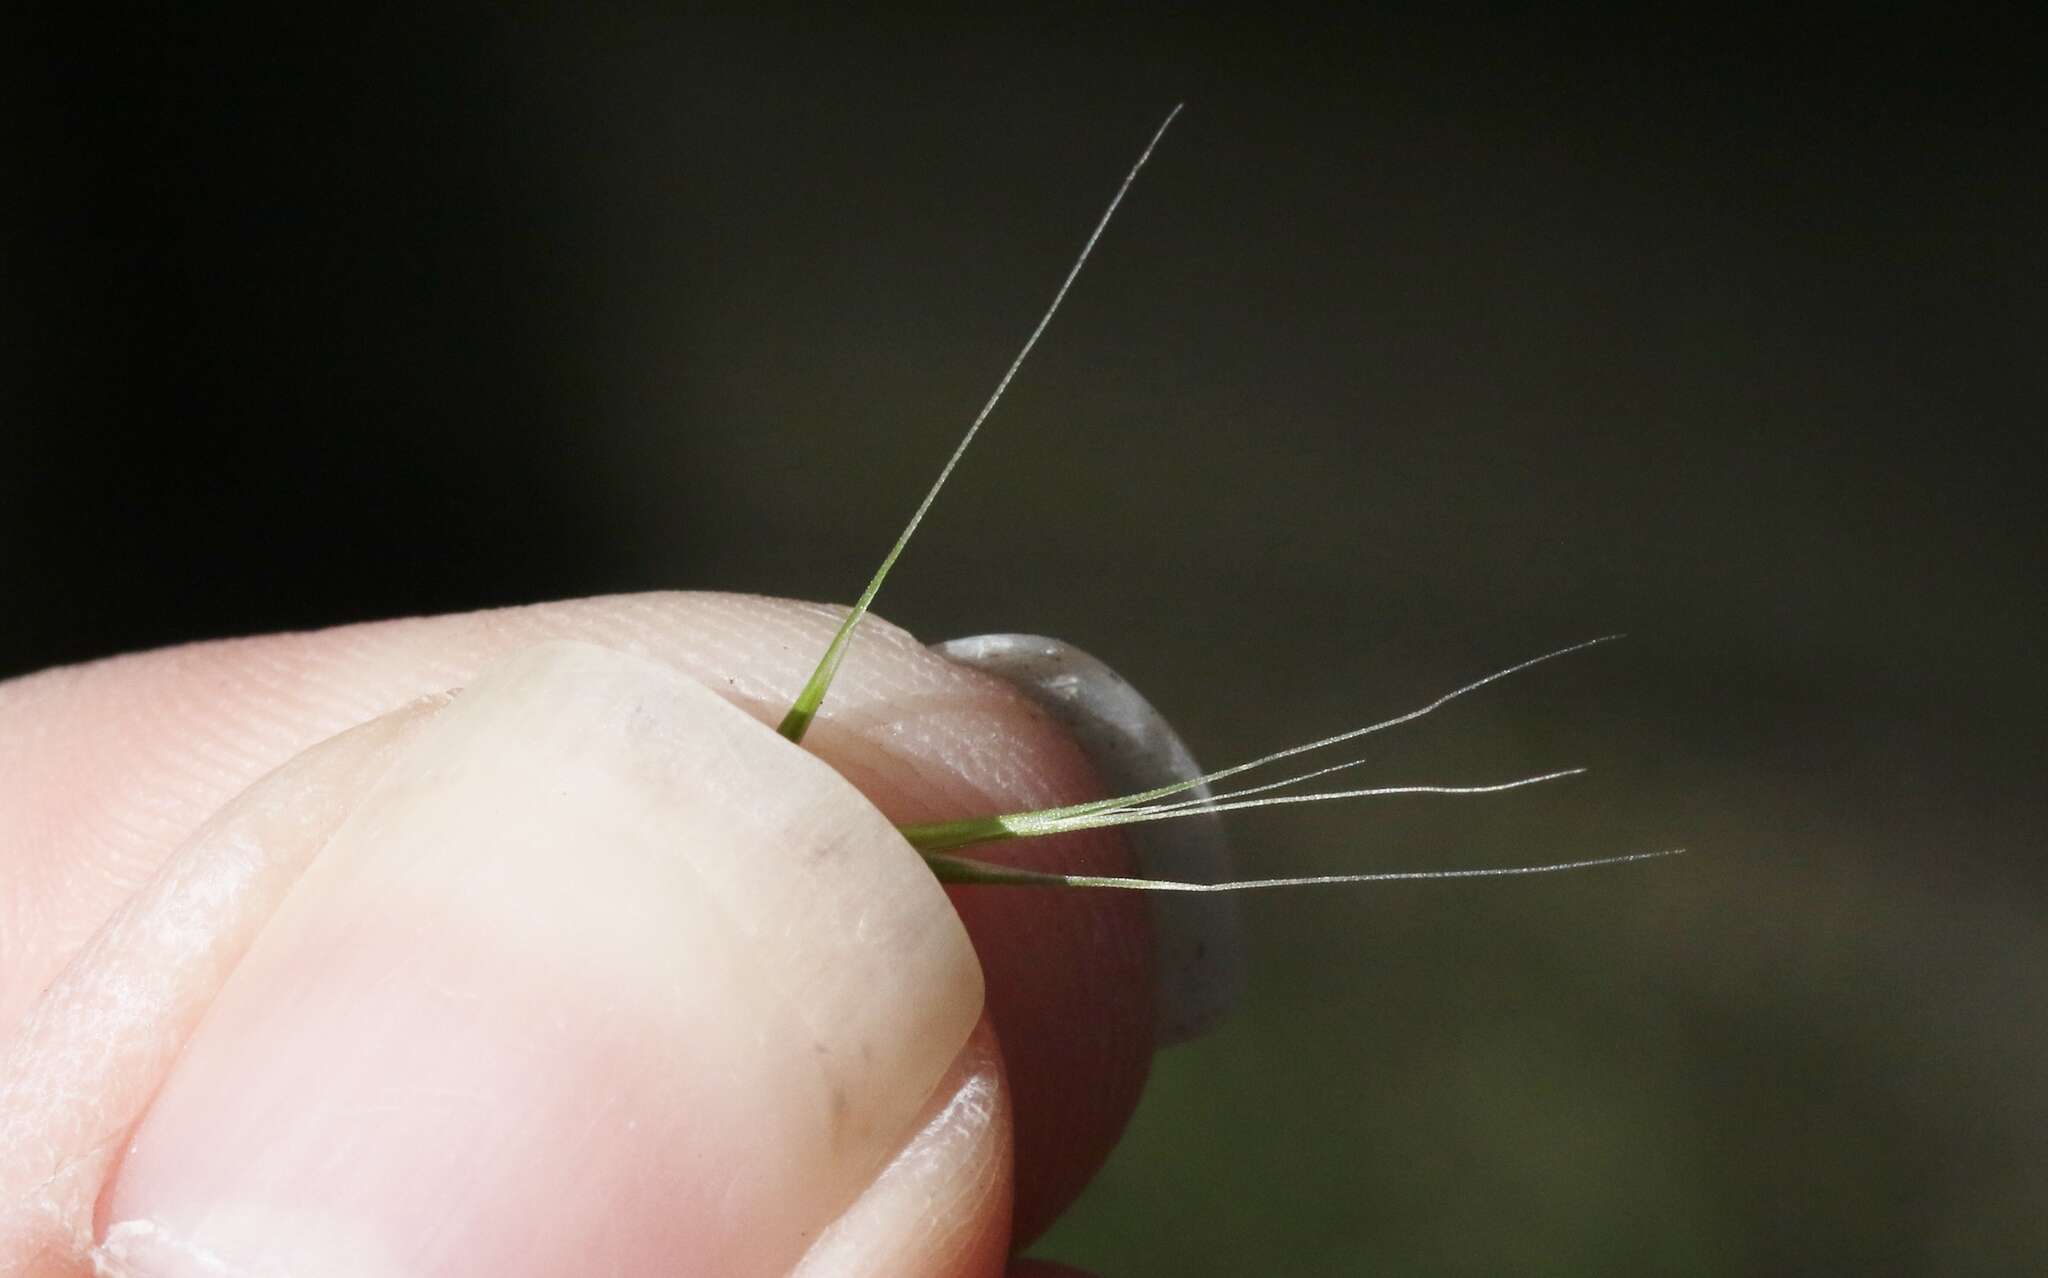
x=307, y=968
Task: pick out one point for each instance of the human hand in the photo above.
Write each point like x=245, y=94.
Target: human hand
x=591, y=972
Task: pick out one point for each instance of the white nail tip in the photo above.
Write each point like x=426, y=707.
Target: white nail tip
x=1198, y=939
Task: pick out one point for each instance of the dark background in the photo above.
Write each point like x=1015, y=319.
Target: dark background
x=1422, y=347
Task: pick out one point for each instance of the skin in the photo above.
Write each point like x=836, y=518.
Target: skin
x=305, y=963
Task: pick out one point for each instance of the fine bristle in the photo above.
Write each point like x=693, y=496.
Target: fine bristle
x=805, y=708
x=1159, y=803
x=955, y=869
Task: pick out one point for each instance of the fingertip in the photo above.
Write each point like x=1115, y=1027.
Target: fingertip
x=142, y=749
x=575, y=987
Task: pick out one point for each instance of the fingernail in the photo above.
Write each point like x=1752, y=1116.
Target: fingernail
x=601, y=977
x=1199, y=940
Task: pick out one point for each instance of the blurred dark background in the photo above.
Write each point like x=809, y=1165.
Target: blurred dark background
x=1423, y=346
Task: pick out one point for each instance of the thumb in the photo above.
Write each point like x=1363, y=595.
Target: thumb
x=576, y=987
